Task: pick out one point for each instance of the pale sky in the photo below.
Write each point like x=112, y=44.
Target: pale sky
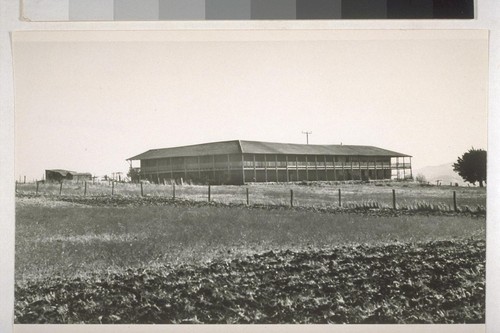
x=87, y=101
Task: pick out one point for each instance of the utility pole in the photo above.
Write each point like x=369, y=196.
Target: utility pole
x=307, y=135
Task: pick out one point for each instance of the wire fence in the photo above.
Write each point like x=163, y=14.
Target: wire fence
x=388, y=195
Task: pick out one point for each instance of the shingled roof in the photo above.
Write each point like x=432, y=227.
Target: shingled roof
x=62, y=172
x=259, y=147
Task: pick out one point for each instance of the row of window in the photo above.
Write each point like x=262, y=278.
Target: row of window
x=178, y=162
x=274, y=164
x=320, y=164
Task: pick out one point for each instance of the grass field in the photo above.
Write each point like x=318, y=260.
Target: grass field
x=316, y=194
x=182, y=262
x=69, y=240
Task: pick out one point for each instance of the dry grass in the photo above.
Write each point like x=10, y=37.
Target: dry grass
x=194, y=263
x=78, y=240
x=379, y=194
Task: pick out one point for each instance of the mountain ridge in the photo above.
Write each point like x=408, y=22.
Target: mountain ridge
x=443, y=173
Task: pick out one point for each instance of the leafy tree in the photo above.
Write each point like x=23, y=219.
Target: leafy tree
x=472, y=166
x=133, y=173
x=421, y=179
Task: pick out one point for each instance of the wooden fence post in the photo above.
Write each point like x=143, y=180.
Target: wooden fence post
x=173, y=191
x=85, y=189
x=36, y=193
x=291, y=198
x=112, y=187
x=16, y=186
x=248, y=199
x=208, y=193
x=340, y=198
x=142, y=190
x=60, y=188
x=455, y=208
x=394, y=199
x=24, y=179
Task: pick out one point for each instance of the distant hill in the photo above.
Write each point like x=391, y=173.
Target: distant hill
x=443, y=172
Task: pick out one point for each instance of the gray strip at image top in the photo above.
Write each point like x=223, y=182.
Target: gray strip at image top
x=364, y=9
x=274, y=9
x=319, y=9
x=91, y=10
x=401, y=9
x=144, y=10
x=182, y=9
x=38, y=11
x=228, y=9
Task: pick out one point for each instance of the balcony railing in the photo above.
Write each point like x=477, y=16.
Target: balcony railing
x=401, y=165
x=320, y=165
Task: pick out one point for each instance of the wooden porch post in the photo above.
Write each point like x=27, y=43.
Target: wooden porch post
x=368, y=168
x=316, y=166
x=334, y=169
x=185, y=171
x=297, y=166
x=243, y=168
x=352, y=174
x=254, y=169
x=265, y=166
x=359, y=167
x=213, y=166
x=307, y=169
x=411, y=171
x=287, y=176
x=397, y=168
x=171, y=168
x=404, y=169
x=157, y=172
x=326, y=169
x=276, y=166
x=199, y=168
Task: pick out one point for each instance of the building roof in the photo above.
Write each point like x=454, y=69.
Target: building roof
x=258, y=147
x=62, y=172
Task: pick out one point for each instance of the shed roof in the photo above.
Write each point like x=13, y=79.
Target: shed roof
x=259, y=147
x=62, y=172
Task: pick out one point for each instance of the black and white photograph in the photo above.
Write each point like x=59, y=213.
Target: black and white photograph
x=250, y=177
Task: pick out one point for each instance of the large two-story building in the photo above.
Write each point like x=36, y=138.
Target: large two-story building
x=240, y=162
